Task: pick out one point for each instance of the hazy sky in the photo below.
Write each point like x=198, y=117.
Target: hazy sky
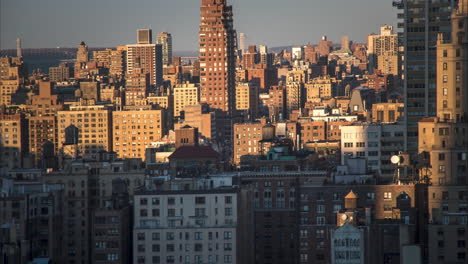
x=108, y=23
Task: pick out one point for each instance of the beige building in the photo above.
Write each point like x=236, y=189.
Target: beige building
x=185, y=94
x=135, y=130
x=387, y=112
x=445, y=137
x=321, y=87
x=10, y=79
x=13, y=140
x=383, y=51
x=247, y=98
x=164, y=101
x=84, y=131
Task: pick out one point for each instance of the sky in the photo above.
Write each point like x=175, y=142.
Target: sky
x=109, y=23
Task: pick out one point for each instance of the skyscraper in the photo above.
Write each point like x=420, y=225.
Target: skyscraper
x=145, y=36
x=444, y=137
x=146, y=56
x=422, y=21
x=217, y=39
x=383, y=51
x=165, y=39
x=242, y=38
x=19, y=53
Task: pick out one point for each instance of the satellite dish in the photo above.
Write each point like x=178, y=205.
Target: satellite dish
x=395, y=159
x=344, y=217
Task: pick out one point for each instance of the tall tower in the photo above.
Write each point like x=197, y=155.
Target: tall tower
x=19, y=52
x=345, y=43
x=242, y=38
x=422, y=21
x=217, y=39
x=383, y=51
x=165, y=39
x=445, y=137
x=147, y=56
x=83, y=53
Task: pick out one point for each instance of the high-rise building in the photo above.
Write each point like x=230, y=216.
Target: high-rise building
x=43, y=143
x=13, y=140
x=242, y=38
x=165, y=39
x=383, y=51
x=422, y=21
x=345, y=43
x=145, y=36
x=324, y=46
x=310, y=54
x=137, y=86
x=135, y=130
x=217, y=55
x=192, y=225
x=184, y=95
x=117, y=62
x=147, y=57
x=445, y=136
x=11, y=75
x=82, y=54
x=60, y=73
x=84, y=131
x=19, y=52
x=247, y=98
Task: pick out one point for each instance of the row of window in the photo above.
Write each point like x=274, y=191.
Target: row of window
x=196, y=235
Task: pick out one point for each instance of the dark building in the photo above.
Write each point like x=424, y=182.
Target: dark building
x=421, y=22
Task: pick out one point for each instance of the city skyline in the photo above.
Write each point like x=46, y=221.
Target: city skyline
x=103, y=30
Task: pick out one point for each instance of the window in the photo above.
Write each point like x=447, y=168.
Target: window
x=141, y=248
x=336, y=207
x=319, y=233
x=141, y=236
x=320, y=208
x=155, y=212
x=387, y=195
x=441, y=168
x=320, y=220
x=171, y=201
x=171, y=212
x=198, y=236
x=156, y=248
x=441, y=156
x=198, y=247
x=170, y=236
x=200, y=200
x=156, y=236
x=143, y=201
x=303, y=234
x=445, y=78
x=227, y=246
x=228, y=211
x=227, y=259
x=200, y=212
x=445, y=66
x=228, y=200
x=445, y=91
x=227, y=235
